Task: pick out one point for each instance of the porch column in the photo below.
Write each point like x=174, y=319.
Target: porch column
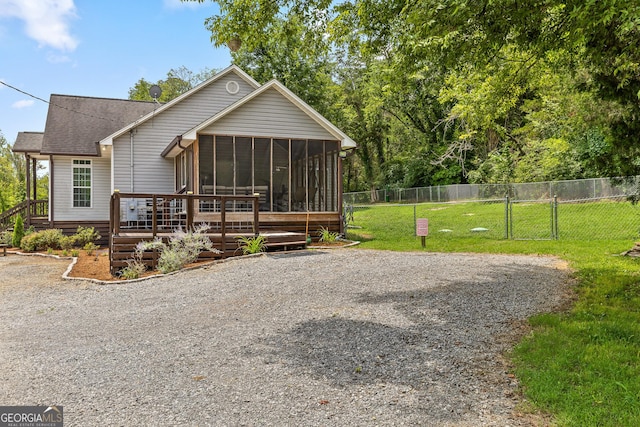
x=35, y=177
x=340, y=189
x=28, y=179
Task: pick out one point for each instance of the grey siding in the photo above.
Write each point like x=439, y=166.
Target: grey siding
x=269, y=114
x=151, y=172
x=63, y=209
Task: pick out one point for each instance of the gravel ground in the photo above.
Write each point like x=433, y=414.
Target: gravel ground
x=319, y=338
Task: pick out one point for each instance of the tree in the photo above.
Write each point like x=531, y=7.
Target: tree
x=12, y=170
x=177, y=82
x=18, y=231
x=437, y=90
x=597, y=38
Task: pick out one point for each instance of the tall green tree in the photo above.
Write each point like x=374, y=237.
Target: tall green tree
x=441, y=90
x=177, y=82
x=12, y=169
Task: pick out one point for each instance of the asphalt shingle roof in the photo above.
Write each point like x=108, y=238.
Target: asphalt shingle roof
x=75, y=124
x=28, y=142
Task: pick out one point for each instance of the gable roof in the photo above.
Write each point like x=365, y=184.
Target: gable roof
x=75, y=124
x=346, y=143
x=28, y=142
x=108, y=140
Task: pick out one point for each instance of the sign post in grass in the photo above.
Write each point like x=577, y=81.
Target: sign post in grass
x=422, y=230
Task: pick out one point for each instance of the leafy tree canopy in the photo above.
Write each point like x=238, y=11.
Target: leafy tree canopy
x=12, y=179
x=177, y=82
x=487, y=90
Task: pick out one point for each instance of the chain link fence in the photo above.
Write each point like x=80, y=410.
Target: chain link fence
x=595, y=209
x=578, y=189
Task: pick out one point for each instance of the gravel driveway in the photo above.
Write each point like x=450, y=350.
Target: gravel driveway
x=319, y=338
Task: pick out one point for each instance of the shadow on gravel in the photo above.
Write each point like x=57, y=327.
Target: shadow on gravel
x=451, y=350
x=296, y=254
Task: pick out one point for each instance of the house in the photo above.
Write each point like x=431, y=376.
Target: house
x=230, y=151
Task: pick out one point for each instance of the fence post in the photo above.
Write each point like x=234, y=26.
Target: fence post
x=414, y=220
x=506, y=216
x=555, y=217
x=510, y=219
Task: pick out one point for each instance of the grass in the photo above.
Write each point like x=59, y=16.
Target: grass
x=581, y=365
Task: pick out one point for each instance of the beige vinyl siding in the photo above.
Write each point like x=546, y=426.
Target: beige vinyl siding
x=151, y=172
x=270, y=114
x=63, y=189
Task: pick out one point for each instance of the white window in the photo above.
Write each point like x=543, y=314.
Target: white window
x=82, y=183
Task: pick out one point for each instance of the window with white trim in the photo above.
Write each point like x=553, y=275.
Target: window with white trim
x=82, y=183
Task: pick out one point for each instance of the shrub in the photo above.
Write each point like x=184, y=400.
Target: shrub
x=41, y=240
x=66, y=242
x=252, y=245
x=75, y=253
x=182, y=248
x=90, y=247
x=133, y=270
x=328, y=236
x=18, y=231
x=85, y=235
x=135, y=267
x=6, y=237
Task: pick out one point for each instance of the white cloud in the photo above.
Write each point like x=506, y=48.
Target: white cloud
x=177, y=4
x=46, y=21
x=24, y=103
x=57, y=59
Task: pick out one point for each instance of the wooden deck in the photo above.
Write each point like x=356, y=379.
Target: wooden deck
x=143, y=217
x=123, y=245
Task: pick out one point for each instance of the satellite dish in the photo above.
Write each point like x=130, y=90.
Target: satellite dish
x=155, y=92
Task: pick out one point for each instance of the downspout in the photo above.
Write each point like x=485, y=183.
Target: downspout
x=185, y=149
x=131, y=158
x=51, y=192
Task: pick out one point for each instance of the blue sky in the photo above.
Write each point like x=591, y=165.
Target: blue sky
x=94, y=48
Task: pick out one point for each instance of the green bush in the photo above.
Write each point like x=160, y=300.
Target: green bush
x=18, y=231
x=327, y=235
x=90, y=247
x=42, y=240
x=85, y=235
x=66, y=242
x=135, y=267
x=133, y=270
x=252, y=245
x=6, y=237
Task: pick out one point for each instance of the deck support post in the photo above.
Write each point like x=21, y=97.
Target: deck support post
x=256, y=215
x=223, y=224
x=154, y=219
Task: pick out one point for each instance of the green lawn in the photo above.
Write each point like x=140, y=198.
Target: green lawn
x=582, y=366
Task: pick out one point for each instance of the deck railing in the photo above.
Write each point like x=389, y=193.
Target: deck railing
x=27, y=209
x=164, y=213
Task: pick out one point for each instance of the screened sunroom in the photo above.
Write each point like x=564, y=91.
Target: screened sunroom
x=289, y=175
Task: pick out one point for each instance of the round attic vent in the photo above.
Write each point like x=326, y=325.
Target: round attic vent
x=233, y=87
